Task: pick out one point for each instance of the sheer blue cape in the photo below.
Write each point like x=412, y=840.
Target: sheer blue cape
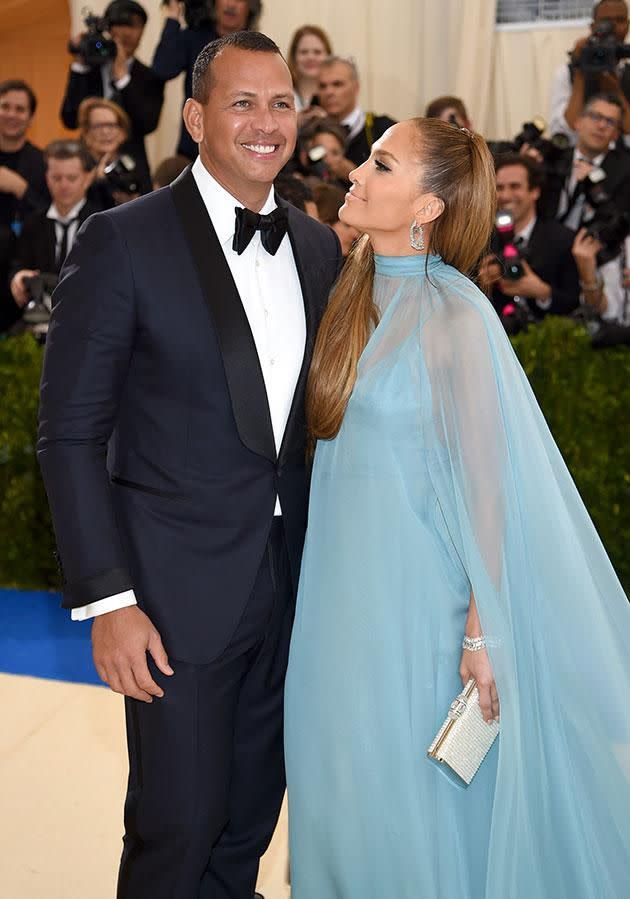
x=551, y=606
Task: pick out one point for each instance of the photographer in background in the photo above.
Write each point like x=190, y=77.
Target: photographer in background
x=119, y=77
x=320, y=153
x=104, y=133
x=541, y=277
x=597, y=65
x=591, y=167
x=178, y=48
x=449, y=109
x=47, y=237
x=605, y=288
x=22, y=183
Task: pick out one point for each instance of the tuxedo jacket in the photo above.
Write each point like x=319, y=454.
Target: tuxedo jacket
x=155, y=440
x=141, y=99
x=36, y=245
x=549, y=255
x=616, y=165
x=360, y=147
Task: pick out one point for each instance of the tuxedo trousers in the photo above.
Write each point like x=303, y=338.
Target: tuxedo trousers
x=206, y=762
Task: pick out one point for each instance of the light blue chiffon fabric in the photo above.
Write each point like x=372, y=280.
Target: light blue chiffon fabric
x=444, y=476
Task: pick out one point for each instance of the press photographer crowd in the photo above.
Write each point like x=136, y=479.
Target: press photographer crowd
x=561, y=244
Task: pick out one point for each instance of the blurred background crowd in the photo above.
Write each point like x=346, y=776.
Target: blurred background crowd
x=561, y=242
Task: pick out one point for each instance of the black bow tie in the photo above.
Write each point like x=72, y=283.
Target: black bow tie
x=272, y=228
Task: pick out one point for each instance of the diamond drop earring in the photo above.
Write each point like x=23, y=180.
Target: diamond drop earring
x=416, y=236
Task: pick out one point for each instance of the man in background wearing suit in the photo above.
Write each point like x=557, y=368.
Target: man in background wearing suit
x=125, y=80
x=550, y=281
x=595, y=158
x=47, y=237
x=172, y=443
x=339, y=97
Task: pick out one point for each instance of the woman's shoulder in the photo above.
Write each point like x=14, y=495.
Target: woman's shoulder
x=459, y=305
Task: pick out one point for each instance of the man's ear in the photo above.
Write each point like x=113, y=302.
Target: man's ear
x=428, y=208
x=192, y=115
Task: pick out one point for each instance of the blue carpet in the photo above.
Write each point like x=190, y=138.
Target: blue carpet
x=39, y=638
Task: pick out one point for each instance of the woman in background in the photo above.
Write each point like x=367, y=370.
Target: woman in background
x=309, y=47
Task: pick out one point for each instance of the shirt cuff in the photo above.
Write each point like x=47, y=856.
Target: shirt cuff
x=79, y=68
x=122, y=83
x=544, y=304
x=102, y=606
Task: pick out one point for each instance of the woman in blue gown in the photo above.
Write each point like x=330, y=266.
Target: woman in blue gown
x=441, y=507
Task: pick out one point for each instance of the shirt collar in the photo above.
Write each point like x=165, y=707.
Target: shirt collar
x=596, y=162
x=526, y=233
x=53, y=212
x=221, y=204
x=354, y=122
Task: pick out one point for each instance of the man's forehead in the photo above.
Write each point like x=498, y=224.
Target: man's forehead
x=19, y=97
x=607, y=109
x=252, y=70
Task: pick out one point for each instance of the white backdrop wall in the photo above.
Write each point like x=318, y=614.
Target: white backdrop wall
x=408, y=51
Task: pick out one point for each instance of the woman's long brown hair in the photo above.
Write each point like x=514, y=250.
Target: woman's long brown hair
x=456, y=166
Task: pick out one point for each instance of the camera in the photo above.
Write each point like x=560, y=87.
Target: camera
x=121, y=175
x=36, y=313
x=555, y=160
x=608, y=225
x=510, y=258
x=602, y=52
x=96, y=46
x=316, y=165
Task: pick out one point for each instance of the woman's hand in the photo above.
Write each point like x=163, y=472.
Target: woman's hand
x=477, y=665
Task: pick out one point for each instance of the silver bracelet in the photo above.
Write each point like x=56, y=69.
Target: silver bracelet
x=474, y=644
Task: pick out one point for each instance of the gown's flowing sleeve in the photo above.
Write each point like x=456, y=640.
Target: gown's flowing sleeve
x=551, y=606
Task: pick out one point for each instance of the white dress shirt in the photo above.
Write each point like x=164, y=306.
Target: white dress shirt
x=355, y=123
x=106, y=77
x=574, y=219
x=270, y=291
x=54, y=214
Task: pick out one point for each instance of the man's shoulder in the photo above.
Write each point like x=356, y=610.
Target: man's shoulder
x=30, y=151
x=139, y=218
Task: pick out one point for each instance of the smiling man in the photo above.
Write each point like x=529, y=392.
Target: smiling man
x=180, y=341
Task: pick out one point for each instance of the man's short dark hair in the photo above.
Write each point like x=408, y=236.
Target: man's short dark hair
x=535, y=172
x=436, y=107
x=16, y=84
x=241, y=40
x=321, y=126
x=611, y=99
x=293, y=190
x=122, y=12
x=68, y=149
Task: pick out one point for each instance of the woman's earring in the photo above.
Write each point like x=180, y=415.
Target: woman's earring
x=416, y=236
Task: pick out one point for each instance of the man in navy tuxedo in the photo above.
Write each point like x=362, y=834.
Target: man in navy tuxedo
x=172, y=443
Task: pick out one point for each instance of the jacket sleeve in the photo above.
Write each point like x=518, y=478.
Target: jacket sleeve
x=79, y=86
x=88, y=352
x=142, y=99
x=171, y=55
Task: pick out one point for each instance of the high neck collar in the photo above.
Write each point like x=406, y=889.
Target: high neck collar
x=400, y=266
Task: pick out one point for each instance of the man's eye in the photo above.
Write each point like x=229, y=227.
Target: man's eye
x=283, y=104
x=381, y=166
x=242, y=103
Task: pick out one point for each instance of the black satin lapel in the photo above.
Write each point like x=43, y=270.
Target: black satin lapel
x=240, y=357
x=295, y=431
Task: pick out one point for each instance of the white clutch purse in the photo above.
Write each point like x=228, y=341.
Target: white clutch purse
x=465, y=738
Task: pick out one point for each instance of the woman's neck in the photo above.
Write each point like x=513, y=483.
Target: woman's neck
x=307, y=88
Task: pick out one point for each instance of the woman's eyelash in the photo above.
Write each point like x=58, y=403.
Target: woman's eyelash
x=381, y=166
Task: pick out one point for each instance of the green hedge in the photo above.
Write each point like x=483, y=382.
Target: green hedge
x=585, y=395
